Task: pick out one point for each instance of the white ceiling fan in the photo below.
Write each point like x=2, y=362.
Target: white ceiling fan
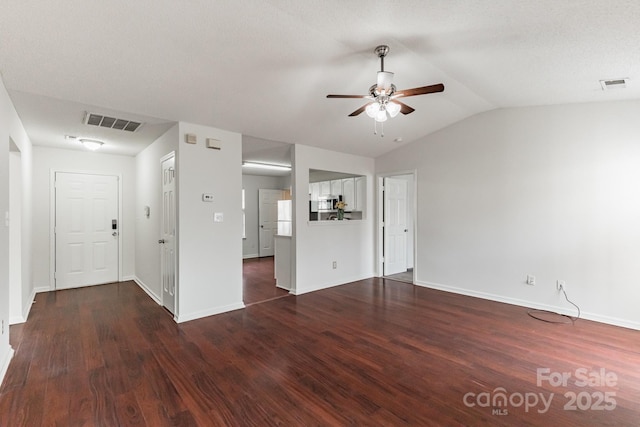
x=384, y=97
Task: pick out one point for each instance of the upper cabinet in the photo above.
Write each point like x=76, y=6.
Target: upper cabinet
x=314, y=191
x=349, y=195
x=325, y=188
x=360, y=192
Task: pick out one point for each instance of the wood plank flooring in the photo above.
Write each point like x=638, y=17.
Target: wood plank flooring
x=373, y=352
x=258, y=281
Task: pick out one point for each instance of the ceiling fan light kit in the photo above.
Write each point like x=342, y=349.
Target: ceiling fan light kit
x=383, y=95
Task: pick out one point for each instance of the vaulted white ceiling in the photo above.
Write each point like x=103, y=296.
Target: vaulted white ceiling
x=263, y=68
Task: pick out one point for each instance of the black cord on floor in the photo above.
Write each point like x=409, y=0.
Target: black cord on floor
x=534, y=313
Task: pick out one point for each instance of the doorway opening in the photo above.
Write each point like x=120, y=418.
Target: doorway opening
x=263, y=192
x=396, y=226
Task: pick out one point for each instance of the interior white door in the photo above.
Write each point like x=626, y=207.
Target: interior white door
x=267, y=219
x=86, y=229
x=168, y=235
x=395, y=226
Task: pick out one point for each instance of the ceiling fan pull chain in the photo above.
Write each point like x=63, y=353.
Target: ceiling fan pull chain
x=375, y=127
x=382, y=130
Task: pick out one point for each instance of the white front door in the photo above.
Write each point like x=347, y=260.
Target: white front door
x=395, y=226
x=268, y=219
x=86, y=229
x=168, y=235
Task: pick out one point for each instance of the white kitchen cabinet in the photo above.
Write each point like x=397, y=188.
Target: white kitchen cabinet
x=336, y=187
x=360, y=197
x=282, y=262
x=325, y=188
x=348, y=193
x=314, y=191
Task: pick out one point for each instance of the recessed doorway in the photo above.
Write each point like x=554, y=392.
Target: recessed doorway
x=396, y=226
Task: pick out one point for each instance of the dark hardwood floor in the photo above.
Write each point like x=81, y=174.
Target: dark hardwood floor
x=373, y=352
x=258, y=281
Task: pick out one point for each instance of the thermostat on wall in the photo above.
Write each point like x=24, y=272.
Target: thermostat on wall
x=206, y=197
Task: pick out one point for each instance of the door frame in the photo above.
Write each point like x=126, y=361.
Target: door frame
x=380, y=215
x=52, y=219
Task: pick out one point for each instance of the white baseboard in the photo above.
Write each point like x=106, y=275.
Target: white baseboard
x=16, y=320
x=4, y=364
x=250, y=256
x=38, y=289
x=320, y=287
x=128, y=278
x=148, y=291
x=27, y=306
x=209, y=312
x=530, y=304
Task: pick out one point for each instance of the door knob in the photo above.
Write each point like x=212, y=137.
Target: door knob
x=161, y=241
x=114, y=234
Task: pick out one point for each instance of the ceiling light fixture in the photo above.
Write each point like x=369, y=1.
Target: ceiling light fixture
x=91, y=144
x=266, y=166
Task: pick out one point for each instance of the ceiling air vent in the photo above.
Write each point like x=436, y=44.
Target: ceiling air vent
x=111, y=122
x=614, y=84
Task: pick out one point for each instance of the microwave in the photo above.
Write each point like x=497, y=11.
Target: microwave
x=327, y=203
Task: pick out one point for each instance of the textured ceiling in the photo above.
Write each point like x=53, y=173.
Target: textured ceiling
x=263, y=68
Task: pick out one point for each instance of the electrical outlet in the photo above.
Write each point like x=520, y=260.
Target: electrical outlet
x=561, y=285
x=531, y=279
x=335, y=265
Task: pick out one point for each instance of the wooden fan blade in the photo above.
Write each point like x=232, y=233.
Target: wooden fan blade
x=419, y=90
x=359, y=110
x=347, y=96
x=404, y=108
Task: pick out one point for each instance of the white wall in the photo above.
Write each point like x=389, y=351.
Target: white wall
x=317, y=244
x=551, y=191
x=11, y=129
x=251, y=185
x=47, y=159
x=149, y=193
x=210, y=253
